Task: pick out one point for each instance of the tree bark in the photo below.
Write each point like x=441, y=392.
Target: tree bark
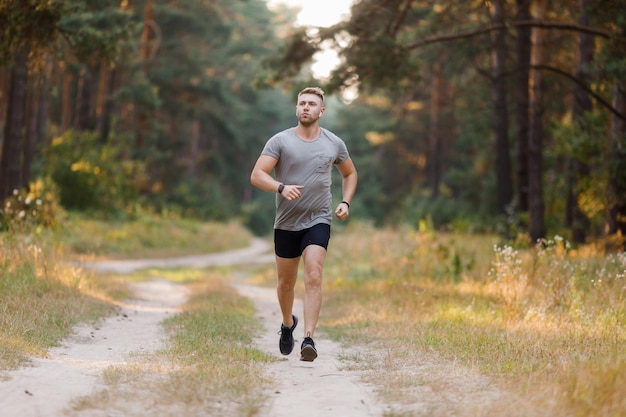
x=10, y=164
x=523, y=75
x=536, y=205
x=146, y=35
x=66, y=115
x=582, y=104
x=504, y=186
x=616, y=223
x=434, y=136
x=84, y=101
x=32, y=114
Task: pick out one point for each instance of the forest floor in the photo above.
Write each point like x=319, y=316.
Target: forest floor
x=52, y=386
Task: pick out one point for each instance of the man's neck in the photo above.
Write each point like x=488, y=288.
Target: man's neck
x=308, y=132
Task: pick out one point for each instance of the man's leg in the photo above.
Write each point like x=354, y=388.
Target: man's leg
x=313, y=257
x=287, y=269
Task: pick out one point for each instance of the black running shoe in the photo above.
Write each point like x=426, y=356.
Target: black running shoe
x=285, y=344
x=308, y=353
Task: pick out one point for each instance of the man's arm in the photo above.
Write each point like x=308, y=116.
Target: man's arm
x=261, y=174
x=348, y=187
x=261, y=178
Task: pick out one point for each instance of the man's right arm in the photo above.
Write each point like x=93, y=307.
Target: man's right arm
x=261, y=174
x=261, y=178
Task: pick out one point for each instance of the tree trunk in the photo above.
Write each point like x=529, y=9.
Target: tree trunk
x=101, y=99
x=523, y=75
x=536, y=205
x=66, y=116
x=10, y=164
x=4, y=88
x=617, y=168
x=84, y=100
x=32, y=117
x=194, y=132
x=504, y=186
x=582, y=104
x=108, y=108
x=434, y=137
x=146, y=36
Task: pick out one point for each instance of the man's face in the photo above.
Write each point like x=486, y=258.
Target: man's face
x=309, y=109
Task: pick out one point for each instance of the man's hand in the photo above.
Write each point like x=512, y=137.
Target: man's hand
x=292, y=192
x=342, y=211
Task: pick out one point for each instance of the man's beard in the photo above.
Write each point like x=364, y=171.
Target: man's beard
x=308, y=122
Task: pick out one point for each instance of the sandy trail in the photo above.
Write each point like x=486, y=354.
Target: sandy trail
x=319, y=388
x=324, y=387
x=48, y=386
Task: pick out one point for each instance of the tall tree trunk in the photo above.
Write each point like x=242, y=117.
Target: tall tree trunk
x=43, y=113
x=536, y=205
x=108, y=109
x=66, y=115
x=194, y=132
x=582, y=104
x=5, y=79
x=101, y=99
x=84, y=100
x=504, y=181
x=10, y=164
x=32, y=117
x=146, y=36
x=523, y=75
x=617, y=167
x=434, y=136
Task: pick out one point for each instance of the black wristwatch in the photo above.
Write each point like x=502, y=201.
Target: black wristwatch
x=281, y=187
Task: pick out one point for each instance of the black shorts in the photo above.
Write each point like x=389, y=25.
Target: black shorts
x=288, y=244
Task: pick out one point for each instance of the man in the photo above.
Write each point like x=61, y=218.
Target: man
x=302, y=159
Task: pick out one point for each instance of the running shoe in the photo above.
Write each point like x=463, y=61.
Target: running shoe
x=308, y=353
x=286, y=343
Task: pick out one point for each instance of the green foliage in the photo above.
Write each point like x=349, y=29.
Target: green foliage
x=258, y=216
x=200, y=200
x=30, y=22
x=97, y=29
x=92, y=176
x=443, y=212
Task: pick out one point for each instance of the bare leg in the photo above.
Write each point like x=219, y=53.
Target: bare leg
x=314, y=257
x=287, y=269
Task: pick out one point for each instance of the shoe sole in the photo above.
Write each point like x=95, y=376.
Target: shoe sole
x=308, y=354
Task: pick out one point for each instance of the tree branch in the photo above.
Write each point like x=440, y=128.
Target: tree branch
x=521, y=23
x=582, y=84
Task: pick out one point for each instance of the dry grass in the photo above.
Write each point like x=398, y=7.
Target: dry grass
x=548, y=323
x=41, y=298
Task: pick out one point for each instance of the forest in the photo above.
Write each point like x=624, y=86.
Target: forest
x=496, y=116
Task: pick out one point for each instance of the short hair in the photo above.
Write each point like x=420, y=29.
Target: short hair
x=313, y=90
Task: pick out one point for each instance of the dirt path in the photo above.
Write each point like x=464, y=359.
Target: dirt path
x=321, y=388
x=73, y=370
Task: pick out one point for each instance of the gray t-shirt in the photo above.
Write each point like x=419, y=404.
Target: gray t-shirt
x=307, y=163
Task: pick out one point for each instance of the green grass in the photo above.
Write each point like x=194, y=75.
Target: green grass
x=149, y=237
x=212, y=343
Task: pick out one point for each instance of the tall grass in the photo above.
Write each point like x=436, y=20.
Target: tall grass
x=41, y=297
x=547, y=322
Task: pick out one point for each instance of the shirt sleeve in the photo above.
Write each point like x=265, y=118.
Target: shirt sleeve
x=272, y=147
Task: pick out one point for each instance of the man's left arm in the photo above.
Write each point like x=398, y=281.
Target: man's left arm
x=348, y=188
